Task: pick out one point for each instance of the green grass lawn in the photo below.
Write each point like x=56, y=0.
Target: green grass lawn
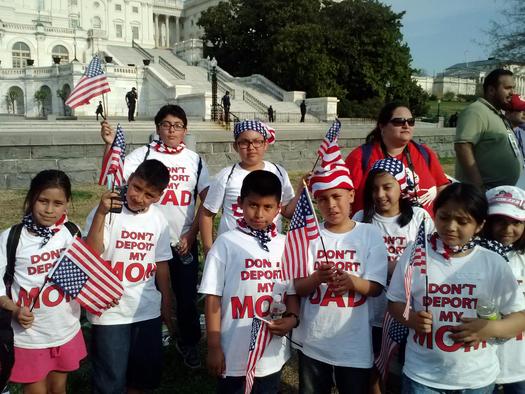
x=446, y=108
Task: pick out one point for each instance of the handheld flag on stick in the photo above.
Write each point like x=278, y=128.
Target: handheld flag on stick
x=417, y=258
x=303, y=229
x=93, y=83
x=260, y=338
x=113, y=162
x=83, y=275
x=331, y=136
x=394, y=334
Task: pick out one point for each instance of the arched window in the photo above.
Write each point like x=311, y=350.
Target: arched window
x=96, y=22
x=21, y=53
x=61, y=52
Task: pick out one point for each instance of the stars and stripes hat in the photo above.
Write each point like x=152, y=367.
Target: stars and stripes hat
x=395, y=168
x=262, y=128
x=507, y=201
x=334, y=176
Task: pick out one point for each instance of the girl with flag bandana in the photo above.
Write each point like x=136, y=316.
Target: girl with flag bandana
x=188, y=180
x=389, y=208
x=47, y=336
x=449, y=349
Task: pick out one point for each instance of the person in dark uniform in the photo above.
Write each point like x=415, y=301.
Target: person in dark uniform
x=100, y=110
x=303, y=111
x=131, y=101
x=226, y=105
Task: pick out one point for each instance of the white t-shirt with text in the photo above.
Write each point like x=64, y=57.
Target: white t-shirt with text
x=396, y=240
x=245, y=276
x=133, y=244
x=511, y=354
x=454, y=287
x=56, y=314
x=336, y=329
x=178, y=200
x=226, y=188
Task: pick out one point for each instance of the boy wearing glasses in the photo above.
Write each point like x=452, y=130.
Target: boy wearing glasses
x=188, y=179
x=251, y=143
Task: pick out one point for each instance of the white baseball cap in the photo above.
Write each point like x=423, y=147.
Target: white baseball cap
x=507, y=201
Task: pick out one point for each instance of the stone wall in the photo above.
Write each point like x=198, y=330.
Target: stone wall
x=24, y=153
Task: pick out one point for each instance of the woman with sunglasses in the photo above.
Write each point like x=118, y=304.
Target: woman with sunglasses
x=392, y=137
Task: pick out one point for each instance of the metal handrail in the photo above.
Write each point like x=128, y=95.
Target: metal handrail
x=174, y=71
x=142, y=51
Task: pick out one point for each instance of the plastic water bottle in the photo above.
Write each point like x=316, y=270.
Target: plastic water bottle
x=486, y=309
x=277, y=307
x=166, y=337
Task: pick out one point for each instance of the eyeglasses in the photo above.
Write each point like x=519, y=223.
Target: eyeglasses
x=245, y=144
x=398, y=122
x=165, y=125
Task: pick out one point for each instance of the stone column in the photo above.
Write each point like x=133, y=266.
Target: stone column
x=168, y=31
x=156, y=29
x=177, y=32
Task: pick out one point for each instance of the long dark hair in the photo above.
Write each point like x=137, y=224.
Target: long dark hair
x=46, y=179
x=383, y=118
x=405, y=206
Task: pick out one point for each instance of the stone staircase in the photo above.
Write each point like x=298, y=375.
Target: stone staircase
x=248, y=99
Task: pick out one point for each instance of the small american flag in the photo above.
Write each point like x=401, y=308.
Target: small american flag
x=93, y=83
x=303, y=229
x=85, y=276
x=331, y=136
x=418, y=258
x=394, y=334
x=260, y=337
x=113, y=162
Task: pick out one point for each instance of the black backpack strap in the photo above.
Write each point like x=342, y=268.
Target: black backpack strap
x=230, y=174
x=12, y=244
x=199, y=170
x=73, y=229
x=424, y=152
x=278, y=170
x=366, y=151
x=147, y=153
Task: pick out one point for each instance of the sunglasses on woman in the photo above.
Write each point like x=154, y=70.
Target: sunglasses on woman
x=401, y=121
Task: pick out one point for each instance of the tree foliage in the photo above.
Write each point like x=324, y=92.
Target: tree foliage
x=353, y=49
x=507, y=37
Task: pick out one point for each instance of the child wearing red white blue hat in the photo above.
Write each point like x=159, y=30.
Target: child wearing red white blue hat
x=348, y=266
x=506, y=224
x=252, y=139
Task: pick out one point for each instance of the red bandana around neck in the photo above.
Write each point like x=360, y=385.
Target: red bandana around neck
x=161, y=147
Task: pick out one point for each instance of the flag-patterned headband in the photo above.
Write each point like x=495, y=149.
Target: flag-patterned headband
x=266, y=131
x=395, y=168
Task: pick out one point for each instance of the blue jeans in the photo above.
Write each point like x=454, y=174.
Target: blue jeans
x=317, y=377
x=235, y=384
x=126, y=355
x=512, y=388
x=408, y=386
x=184, y=281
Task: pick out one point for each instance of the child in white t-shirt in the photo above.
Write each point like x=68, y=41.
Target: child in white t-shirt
x=347, y=267
x=506, y=224
x=449, y=349
x=387, y=206
x=241, y=277
x=188, y=180
x=48, y=341
x=252, y=139
x=127, y=338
